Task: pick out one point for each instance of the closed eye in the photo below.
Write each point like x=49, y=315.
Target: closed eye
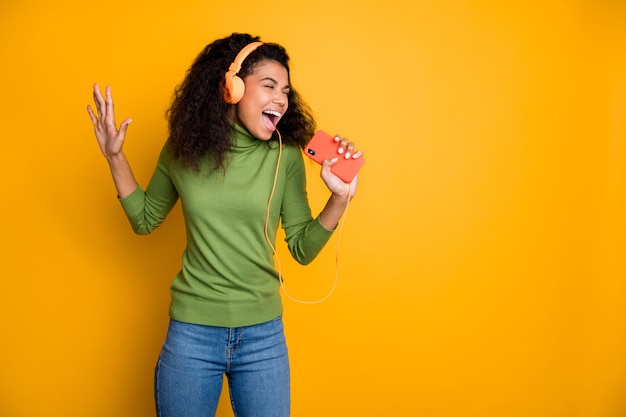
x=272, y=83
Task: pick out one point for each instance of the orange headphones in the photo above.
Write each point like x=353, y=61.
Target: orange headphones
x=233, y=85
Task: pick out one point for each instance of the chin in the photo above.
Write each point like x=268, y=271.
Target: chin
x=264, y=135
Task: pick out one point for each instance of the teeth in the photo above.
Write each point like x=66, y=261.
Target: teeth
x=272, y=112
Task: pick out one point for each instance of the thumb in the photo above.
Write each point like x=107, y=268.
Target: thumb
x=327, y=163
x=326, y=166
x=124, y=126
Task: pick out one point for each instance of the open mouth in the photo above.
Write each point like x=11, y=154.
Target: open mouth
x=271, y=118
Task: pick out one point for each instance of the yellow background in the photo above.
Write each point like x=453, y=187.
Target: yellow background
x=481, y=269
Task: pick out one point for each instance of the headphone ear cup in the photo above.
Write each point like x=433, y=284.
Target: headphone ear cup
x=234, y=88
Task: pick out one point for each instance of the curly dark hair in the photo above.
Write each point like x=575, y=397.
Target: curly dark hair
x=198, y=117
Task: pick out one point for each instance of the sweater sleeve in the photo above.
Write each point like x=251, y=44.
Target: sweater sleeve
x=146, y=210
x=304, y=235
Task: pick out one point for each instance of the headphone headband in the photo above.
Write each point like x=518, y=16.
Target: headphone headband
x=233, y=85
x=242, y=55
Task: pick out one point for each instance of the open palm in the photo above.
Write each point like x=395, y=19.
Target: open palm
x=110, y=138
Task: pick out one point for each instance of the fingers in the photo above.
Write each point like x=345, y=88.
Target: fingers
x=92, y=116
x=104, y=107
x=346, y=148
x=110, y=116
x=97, y=98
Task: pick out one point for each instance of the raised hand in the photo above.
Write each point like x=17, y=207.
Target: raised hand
x=110, y=138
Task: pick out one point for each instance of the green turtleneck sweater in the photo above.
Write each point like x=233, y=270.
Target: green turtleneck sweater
x=228, y=277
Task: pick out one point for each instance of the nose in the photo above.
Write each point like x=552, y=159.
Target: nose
x=280, y=98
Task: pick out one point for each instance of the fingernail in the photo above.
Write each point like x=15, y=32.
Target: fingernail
x=340, y=151
x=347, y=155
x=334, y=159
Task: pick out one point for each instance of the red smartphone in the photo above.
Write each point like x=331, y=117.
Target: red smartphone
x=322, y=146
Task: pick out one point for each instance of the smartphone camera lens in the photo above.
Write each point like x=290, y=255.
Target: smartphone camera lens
x=311, y=152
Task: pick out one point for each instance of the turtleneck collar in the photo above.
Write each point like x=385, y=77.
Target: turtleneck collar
x=244, y=139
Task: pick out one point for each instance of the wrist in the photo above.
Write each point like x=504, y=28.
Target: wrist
x=115, y=158
x=339, y=199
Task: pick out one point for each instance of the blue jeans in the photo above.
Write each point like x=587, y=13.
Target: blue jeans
x=194, y=359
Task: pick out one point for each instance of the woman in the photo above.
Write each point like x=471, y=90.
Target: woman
x=237, y=177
